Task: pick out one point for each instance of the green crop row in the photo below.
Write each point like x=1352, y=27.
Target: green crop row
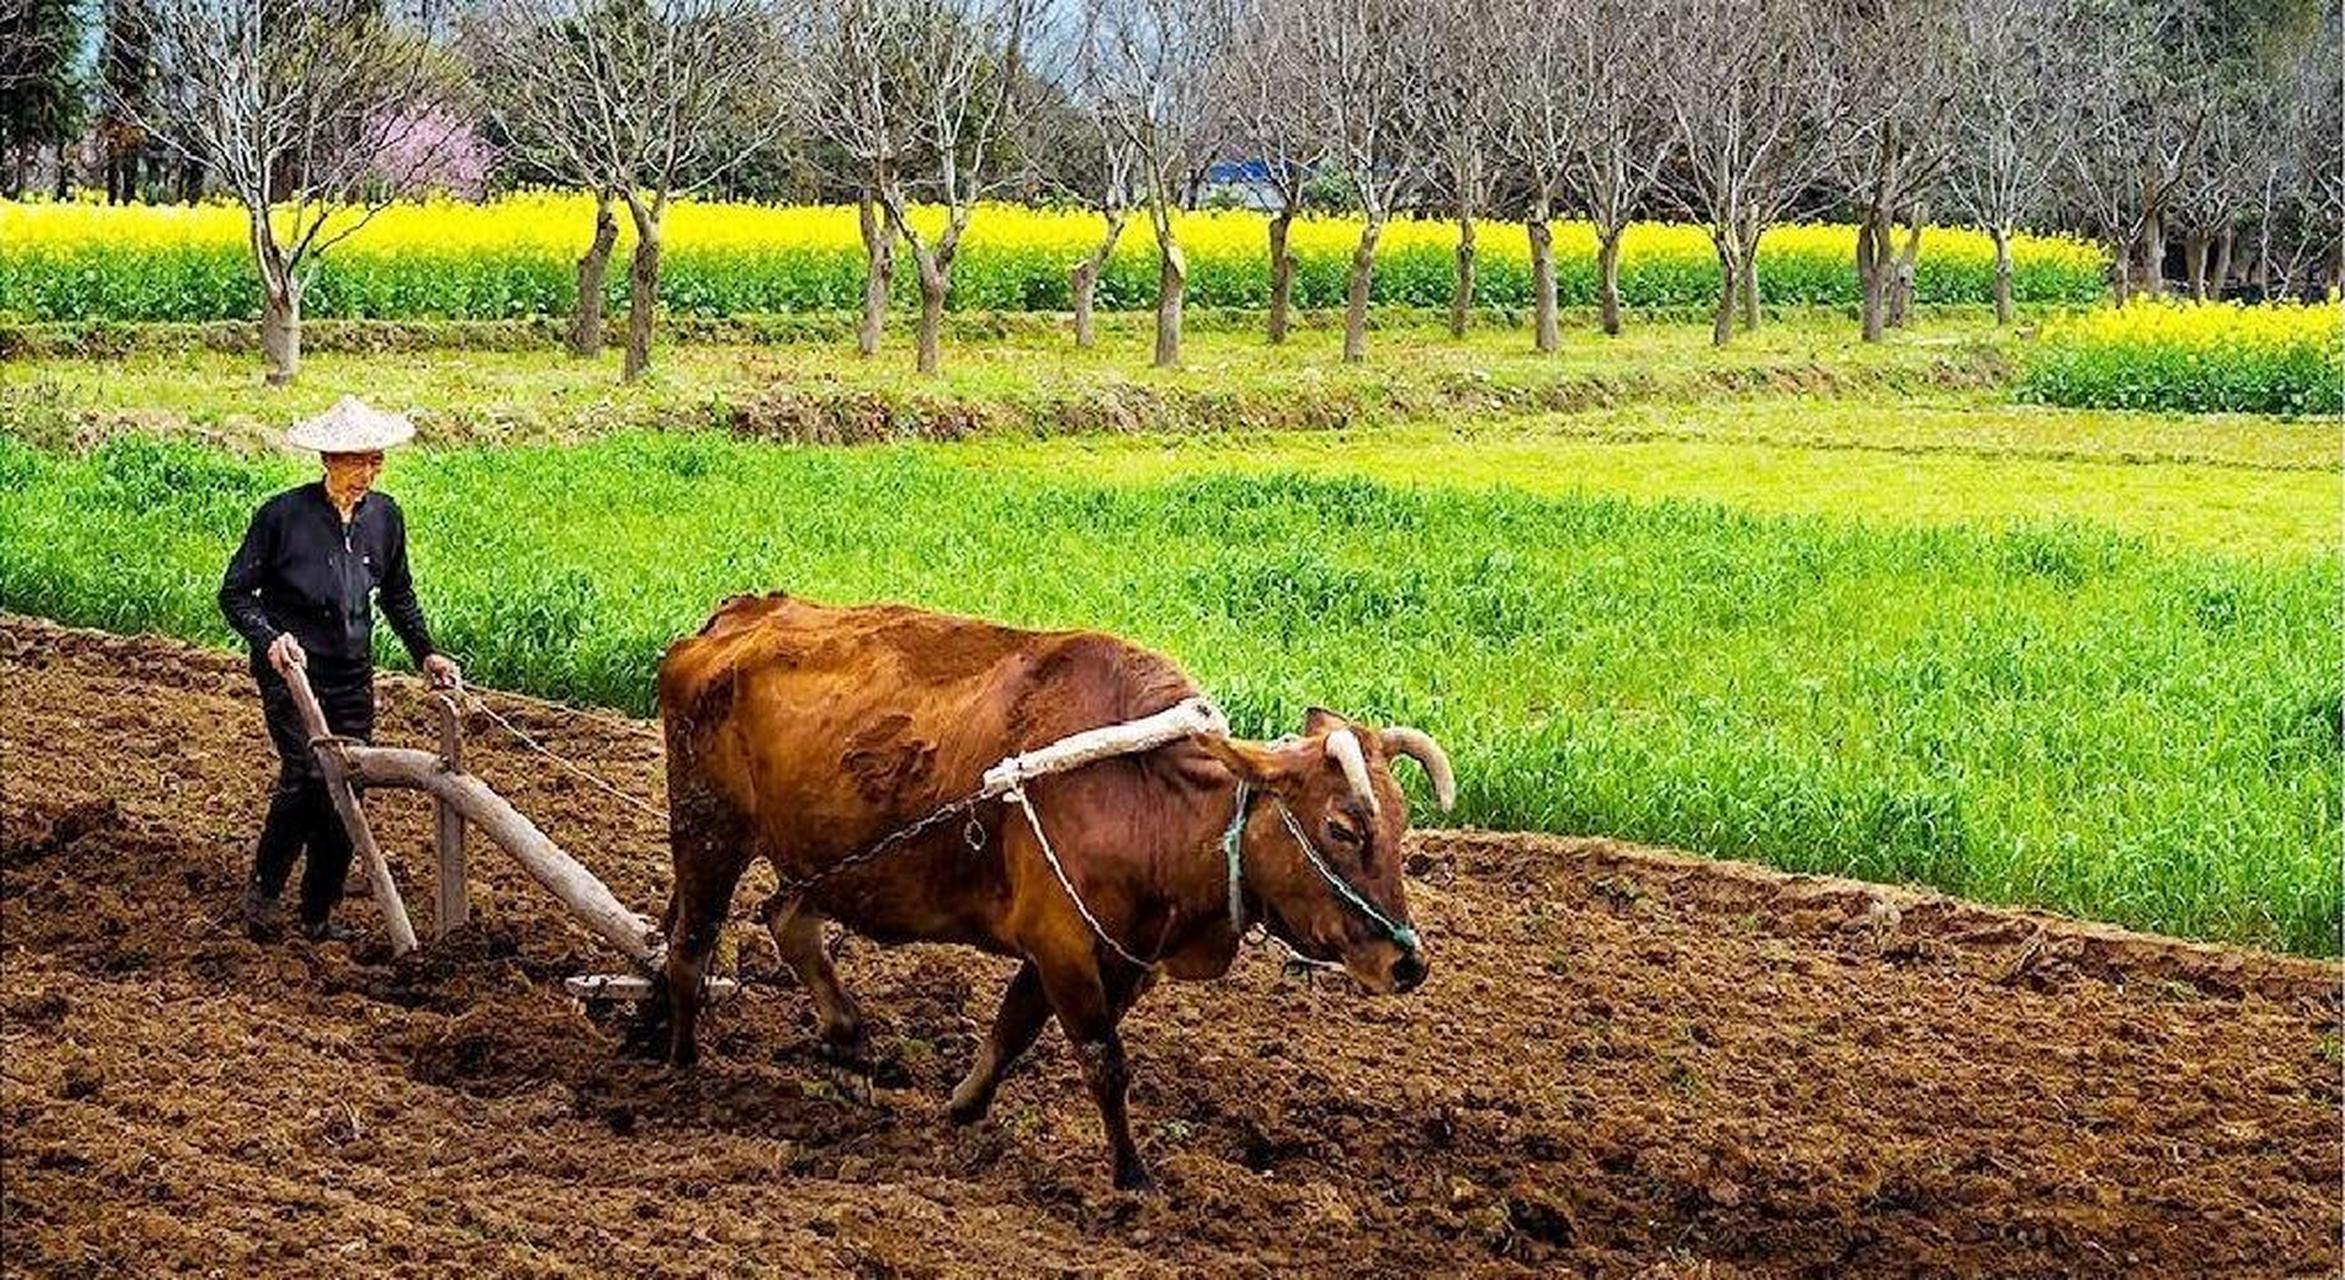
x=2051, y=714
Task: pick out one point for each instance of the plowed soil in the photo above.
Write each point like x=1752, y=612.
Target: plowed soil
x=1625, y=1063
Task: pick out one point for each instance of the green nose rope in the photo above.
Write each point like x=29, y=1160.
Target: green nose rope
x=1402, y=935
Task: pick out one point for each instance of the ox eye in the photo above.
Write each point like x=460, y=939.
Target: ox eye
x=1342, y=832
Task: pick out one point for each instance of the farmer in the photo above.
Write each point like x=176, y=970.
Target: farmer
x=300, y=591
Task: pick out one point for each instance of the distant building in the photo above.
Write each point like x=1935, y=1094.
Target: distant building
x=1243, y=184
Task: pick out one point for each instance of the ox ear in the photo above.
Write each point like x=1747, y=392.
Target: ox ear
x=1255, y=762
x=1319, y=720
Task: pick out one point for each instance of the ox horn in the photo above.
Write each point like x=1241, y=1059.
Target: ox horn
x=1345, y=747
x=1418, y=745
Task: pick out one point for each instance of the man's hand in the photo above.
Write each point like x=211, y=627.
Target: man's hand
x=285, y=652
x=442, y=671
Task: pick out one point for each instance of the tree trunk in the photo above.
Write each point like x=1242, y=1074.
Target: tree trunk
x=1461, y=292
x=1608, y=277
x=1172, y=282
x=643, y=293
x=1355, y=320
x=2121, y=272
x=1871, y=251
x=1082, y=285
x=1083, y=279
x=2194, y=262
x=281, y=331
x=2002, y=238
x=1282, y=273
x=879, y=270
x=2221, y=277
x=1750, y=285
x=586, y=324
x=1901, y=281
x=64, y=175
x=1729, y=276
x=933, y=284
x=2153, y=253
x=280, y=298
x=1541, y=234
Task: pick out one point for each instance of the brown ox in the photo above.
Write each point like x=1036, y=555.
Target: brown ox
x=803, y=734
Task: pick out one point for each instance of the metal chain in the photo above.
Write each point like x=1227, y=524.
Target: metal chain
x=974, y=836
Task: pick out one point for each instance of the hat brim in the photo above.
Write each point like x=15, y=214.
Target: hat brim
x=346, y=432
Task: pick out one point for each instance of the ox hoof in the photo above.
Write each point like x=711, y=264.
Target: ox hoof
x=1136, y=1178
x=967, y=1111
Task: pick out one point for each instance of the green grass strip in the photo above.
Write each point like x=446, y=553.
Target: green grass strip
x=2051, y=714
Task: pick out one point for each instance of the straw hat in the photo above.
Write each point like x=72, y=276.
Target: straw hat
x=351, y=426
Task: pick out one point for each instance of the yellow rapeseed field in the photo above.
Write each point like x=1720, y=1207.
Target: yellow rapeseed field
x=512, y=257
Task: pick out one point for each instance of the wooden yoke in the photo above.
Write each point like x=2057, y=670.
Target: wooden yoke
x=335, y=765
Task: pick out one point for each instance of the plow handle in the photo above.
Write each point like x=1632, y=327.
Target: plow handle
x=336, y=772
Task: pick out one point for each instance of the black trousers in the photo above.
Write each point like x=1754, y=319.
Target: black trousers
x=301, y=816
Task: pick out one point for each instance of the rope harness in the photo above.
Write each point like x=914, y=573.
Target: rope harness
x=1232, y=843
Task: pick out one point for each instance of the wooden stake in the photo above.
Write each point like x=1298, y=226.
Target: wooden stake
x=452, y=906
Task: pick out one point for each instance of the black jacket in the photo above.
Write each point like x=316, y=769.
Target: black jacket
x=301, y=570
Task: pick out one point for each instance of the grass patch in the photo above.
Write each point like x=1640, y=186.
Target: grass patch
x=1026, y=382
x=2053, y=713
x=2245, y=486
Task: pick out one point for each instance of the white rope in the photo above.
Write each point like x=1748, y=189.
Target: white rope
x=533, y=744
x=1051, y=856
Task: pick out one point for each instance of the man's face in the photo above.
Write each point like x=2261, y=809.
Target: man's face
x=350, y=475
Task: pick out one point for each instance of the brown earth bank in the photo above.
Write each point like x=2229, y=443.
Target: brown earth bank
x=1625, y=1063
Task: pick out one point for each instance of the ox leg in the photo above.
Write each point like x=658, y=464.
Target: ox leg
x=797, y=934
x=704, y=893
x=1020, y=1018
x=1088, y=1011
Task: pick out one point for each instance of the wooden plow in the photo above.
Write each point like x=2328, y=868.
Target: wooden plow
x=460, y=799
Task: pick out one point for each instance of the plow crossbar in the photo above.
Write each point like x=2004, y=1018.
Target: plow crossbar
x=546, y=862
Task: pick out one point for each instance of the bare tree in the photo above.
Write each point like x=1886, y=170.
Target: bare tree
x=1368, y=68
x=1746, y=89
x=2010, y=66
x=311, y=107
x=2222, y=179
x=1109, y=162
x=839, y=42
x=1536, y=133
x=2316, y=127
x=1153, y=69
x=1616, y=137
x=1461, y=99
x=637, y=101
x=1271, y=115
x=2135, y=115
x=926, y=83
x=1896, y=122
